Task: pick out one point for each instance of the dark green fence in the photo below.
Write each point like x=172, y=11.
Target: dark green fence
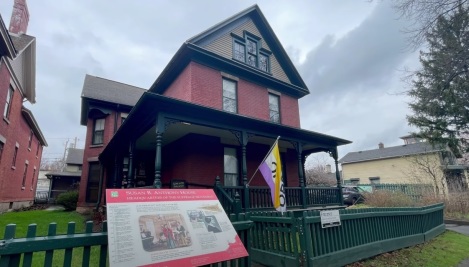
x=81, y=249
x=297, y=238
x=415, y=191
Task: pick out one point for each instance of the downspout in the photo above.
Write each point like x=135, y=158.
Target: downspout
x=115, y=118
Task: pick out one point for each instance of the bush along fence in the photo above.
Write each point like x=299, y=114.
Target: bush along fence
x=298, y=239
x=414, y=191
x=81, y=249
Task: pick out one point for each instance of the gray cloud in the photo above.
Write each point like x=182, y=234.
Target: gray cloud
x=347, y=52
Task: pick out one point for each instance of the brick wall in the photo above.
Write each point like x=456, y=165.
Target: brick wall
x=206, y=86
x=16, y=130
x=180, y=88
x=93, y=151
x=203, y=85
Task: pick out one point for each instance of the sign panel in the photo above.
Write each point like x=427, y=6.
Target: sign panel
x=330, y=218
x=178, y=184
x=169, y=227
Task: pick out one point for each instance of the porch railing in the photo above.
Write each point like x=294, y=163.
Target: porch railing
x=259, y=197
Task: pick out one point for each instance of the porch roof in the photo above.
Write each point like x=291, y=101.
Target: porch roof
x=144, y=116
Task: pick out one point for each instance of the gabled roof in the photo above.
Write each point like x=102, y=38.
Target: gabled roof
x=24, y=64
x=268, y=34
x=107, y=91
x=75, y=156
x=390, y=152
x=111, y=91
x=6, y=44
x=28, y=116
x=50, y=175
x=21, y=41
x=190, y=51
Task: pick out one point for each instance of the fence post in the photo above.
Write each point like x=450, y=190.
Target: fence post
x=237, y=205
x=304, y=234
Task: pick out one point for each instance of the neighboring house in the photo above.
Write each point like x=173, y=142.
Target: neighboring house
x=416, y=161
x=214, y=111
x=69, y=178
x=21, y=140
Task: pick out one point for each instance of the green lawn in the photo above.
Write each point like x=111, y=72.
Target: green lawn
x=43, y=218
x=448, y=249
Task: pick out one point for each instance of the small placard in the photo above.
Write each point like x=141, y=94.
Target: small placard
x=178, y=184
x=330, y=218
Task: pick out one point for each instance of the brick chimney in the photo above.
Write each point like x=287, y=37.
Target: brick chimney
x=380, y=145
x=19, y=17
x=328, y=168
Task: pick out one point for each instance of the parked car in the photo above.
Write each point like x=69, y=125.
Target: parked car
x=352, y=195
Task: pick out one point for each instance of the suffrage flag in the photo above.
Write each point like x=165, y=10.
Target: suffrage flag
x=271, y=169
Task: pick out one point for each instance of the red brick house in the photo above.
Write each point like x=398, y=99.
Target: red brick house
x=214, y=111
x=21, y=139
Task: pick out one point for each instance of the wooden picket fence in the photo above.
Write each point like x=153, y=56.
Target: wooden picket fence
x=81, y=249
x=294, y=238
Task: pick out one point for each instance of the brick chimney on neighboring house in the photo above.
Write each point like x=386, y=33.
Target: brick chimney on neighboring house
x=328, y=168
x=380, y=145
x=19, y=17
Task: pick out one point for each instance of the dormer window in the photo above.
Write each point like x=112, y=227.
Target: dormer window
x=248, y=49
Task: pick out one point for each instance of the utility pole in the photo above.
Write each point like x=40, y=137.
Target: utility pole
x=65, y=154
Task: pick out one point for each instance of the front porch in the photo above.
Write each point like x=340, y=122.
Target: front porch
x=166, y=143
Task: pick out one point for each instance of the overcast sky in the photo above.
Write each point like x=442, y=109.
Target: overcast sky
x=351, y=54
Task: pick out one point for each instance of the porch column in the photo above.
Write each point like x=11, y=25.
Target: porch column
x=301, y=176
x=130, y=173
x=244, y=142
x=117, y=170
x=334, y=155
x=157, y=182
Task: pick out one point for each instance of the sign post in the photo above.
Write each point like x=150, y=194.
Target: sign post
x=169, y=227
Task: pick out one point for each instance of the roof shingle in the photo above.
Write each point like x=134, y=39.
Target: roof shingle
x=389, y=152
x=111, y=91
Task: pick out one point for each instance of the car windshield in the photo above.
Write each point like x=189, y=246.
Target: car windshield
x=349, y=189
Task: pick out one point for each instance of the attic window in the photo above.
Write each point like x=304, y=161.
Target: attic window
x=248, y=49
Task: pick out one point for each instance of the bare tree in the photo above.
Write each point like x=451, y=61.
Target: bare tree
x=52, y=164
x=424, y=15
x=428, y=169
x=318, y=172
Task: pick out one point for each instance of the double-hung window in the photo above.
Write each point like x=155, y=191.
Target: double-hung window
x=229, y=96
x=13, y=164
x=7, y=110
x=98, y=131
x=30, y=139
x=249, y=50
x=274, y=108
x=230, y=167
x=25, y=173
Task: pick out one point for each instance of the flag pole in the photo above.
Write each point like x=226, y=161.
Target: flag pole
x=270, y=150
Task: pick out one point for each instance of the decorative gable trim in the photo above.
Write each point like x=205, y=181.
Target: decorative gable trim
x=255, y=15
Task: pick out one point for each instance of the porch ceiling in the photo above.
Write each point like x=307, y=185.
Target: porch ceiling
x=177, y=118
x=148, y=140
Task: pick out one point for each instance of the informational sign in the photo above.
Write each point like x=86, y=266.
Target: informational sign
x=330, y=218
x=178, y=184
x=169, y=227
